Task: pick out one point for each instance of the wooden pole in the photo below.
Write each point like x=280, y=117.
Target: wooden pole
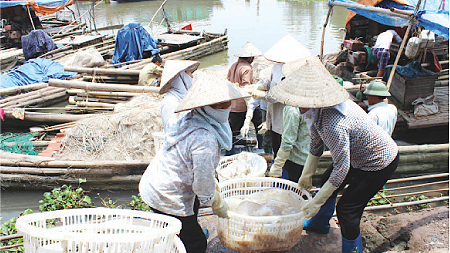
x=400, y=50
x=330, y=9
x=101, y=86
x=100, y=71
x=48, y=117
x=19, y=89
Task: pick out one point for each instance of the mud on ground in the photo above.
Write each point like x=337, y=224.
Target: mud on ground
x=426, y=230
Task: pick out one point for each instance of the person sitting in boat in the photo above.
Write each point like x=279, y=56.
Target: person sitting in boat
x=384, y=114
x=364, y=155
x=381, y=49
x=180, y=178
x=285, y=50
x=150, y=75
x=175, y=81
x=294, y=145
x=241, y=72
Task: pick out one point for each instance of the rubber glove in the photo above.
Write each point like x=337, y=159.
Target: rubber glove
x=258, y=94
x=313, y=206
x=277, y=168
x=248, y=119
x=261, y=86
x=263, y=128
x=308, y=172
x=219, y=206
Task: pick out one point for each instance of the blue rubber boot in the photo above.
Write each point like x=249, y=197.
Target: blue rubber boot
x=352, y=246
x=206, y=232
x=320, y=223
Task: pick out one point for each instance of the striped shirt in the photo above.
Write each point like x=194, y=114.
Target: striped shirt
x=353, y=139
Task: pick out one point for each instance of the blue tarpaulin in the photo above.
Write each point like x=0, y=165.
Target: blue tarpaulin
x=46, y=3
x=131, y=41
x=37, y=41
x=34, y=71
x=434, y=15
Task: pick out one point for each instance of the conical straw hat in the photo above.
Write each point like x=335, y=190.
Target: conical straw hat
x=287, y=49
x=173, y=68
x=208, y=89
x=310, y=86
x=248, y=50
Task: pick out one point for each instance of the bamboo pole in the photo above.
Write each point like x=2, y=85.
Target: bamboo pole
x=25, y=98
x=403, y=204
x=95, y=104
x=323, y=31
x=76, y=164
x=5, y=100
x=19, y=89
x=117, y=95
x=56, y=171
x=101, y=86
x=100, y=71
x=409, y=194
x=400, y=50
x=48, y=117
x=11, y=246
x=40, y=100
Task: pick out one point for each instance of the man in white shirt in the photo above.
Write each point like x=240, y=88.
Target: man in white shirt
x=381, y=49
x=385, y=115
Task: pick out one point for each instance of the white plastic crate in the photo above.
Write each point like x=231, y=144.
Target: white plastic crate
x=260, y=233
x=96, y=230
x=158, y=140
x=256, y=163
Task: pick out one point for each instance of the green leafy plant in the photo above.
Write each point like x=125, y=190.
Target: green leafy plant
x=108, y=202
x=9, y=228
x=378, y=200
x=138, y=204
x=65, y=198
x=415, y=198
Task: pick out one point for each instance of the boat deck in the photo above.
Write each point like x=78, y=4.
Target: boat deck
x=439, y=119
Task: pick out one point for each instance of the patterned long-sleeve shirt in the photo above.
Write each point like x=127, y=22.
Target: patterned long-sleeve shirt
x=353, y=139
x=175, y=176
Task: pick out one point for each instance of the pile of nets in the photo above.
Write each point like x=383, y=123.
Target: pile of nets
x=125, y=135
x=18, y=143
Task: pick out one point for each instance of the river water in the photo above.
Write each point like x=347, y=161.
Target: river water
x=262, y=22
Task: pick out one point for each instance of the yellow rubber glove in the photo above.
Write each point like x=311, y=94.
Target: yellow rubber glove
x=313, y=206
x=258, y=94
x=263, y=128
x=261, y=85
x=277, y=168
x=219, y=206
x=248, y=119
x=308, y=172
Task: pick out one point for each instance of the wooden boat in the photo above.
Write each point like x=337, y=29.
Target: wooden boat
x=356, y=65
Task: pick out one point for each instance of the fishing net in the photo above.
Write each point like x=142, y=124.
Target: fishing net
x=124, y=135
x=18, y=143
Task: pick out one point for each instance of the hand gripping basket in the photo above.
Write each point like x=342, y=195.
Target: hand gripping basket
x=97, y=230
x=260, y=233
x=255, y=164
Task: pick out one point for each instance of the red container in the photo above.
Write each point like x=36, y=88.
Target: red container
x=353, y=45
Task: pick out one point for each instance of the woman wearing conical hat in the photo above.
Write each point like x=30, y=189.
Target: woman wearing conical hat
x=241, y=72
x=286, y=50
x=176, y=80
x=180, y=178
x=364, y=155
